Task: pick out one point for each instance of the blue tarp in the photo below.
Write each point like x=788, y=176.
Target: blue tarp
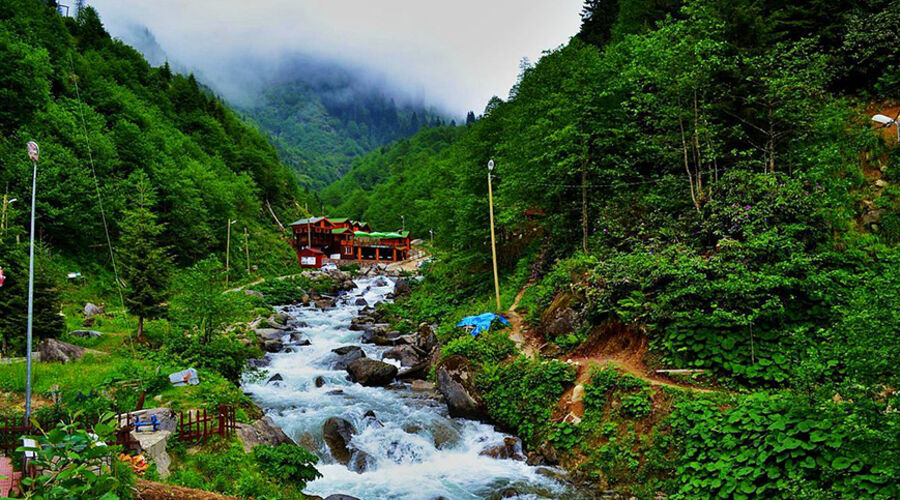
x=481, y=322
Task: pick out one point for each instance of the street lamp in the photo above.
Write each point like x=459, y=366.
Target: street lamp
x=34, y=154
x=228, y=249
x=887, y=121
x=493, y=239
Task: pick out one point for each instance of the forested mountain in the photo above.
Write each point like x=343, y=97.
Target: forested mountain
x=110, y=126
x=321, y=116
x=703, y=175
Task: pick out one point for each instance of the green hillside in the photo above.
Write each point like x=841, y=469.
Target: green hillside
x=703, y=178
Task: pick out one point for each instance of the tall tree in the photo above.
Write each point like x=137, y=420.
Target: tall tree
x=145, y=263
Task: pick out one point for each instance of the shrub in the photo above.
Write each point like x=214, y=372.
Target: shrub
x=287, y=461
x=489, y=347
x=521, y=394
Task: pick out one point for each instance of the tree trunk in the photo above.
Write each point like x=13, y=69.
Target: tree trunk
x=585, y=229
x=687, y=164
x=140, y=335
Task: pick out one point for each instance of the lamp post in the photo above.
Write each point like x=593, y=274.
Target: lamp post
x=493, y=239
x=228, y=249
x=431, y=232
x=887, y=121
x=33, y=153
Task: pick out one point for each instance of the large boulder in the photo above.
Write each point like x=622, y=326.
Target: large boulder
x=371, y=372
x=91, y=310
x=85, y=334
x=560, y=318
x=153, y=446
x=407, y=355
x=401, y=287
x=338, y=433
x=56, y=351
x=263, y=431
x=456, y=382
x=346, y=355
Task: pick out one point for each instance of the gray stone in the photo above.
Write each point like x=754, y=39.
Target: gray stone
x=275, y=378
x=263, y=431
x=457, y=384
x=361, y=302
x=371, y=372
x=405, y=354
x=57, y=351
x=153, y=446
x=85, y=334
x=91, y=310
x=510, y=449
x=253, y=293
x=401, y=287
x=338, y=433
x=347, y=355
x=320, y=381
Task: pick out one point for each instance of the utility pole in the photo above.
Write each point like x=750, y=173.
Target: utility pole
x=33, y=153
x=493, y=239
x=247, y=249
x=228, y=249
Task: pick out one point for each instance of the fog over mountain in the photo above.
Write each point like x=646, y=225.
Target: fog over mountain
x=451, y=55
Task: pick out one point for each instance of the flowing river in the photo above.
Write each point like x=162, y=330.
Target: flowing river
x=416, y=451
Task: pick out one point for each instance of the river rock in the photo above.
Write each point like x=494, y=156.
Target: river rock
x=319, y=381
x=269, y=333
x=85, y=334
x=371, y=372
x=360, y=461
x=57, y=351
x=347, y=355
x=457, y=384
x=548, y=451
x=258, y=362
x=427, y=339
x=325, y=303
x=405, y=354
x=401, y=287
x=340, y=497
x=275, y=378
x=511, y=448
x=272, y=345
x=263, y=431
x=338, y=433
x=361, y=302
x=381, y=282
x=560, y=317
x=444, y=435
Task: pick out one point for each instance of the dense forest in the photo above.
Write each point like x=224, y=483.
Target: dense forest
x=704, y=175
x=321, y=117
x=111, y=127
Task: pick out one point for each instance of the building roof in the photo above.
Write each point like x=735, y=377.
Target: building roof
x=311, y=220
x=339, y=230
x=384, y=236
x=339, y=220
x=311, y=250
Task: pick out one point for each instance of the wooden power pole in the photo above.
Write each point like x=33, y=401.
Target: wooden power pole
x=493, y=238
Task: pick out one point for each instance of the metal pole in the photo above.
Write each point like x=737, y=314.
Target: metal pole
x=493, y=240
x=247, y=249
x=30, y=299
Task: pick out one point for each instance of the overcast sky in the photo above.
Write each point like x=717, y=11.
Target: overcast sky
x=451, y=54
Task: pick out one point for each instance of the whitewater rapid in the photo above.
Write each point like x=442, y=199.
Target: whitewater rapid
x=417, y=451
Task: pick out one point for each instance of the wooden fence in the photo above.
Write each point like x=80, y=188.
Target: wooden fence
x=196, y=427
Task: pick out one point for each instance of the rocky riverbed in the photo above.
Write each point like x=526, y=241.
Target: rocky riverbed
x=352, y=391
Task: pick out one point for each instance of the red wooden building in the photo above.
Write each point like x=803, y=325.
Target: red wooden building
x=311, y=257
x=347, y=239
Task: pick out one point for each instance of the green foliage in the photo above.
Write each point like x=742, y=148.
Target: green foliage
x=75, y=464
x=769, y=444
x=521, y=394
x=284, y=291
x=287, y=461
x=223, y=467
x=198, y=303
x=489, y=347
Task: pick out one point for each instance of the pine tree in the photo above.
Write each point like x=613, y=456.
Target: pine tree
x=470, y=118
x=597, y=19
x=145, y=263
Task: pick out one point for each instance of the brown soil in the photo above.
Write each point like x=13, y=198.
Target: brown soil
x=147, y=490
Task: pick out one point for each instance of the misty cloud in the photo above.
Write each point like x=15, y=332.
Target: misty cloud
x=453, y=55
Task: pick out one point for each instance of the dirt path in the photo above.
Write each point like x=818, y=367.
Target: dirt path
x=620, y=347
x=148, y=490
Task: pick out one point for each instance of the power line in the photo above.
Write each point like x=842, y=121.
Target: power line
x=87, y=143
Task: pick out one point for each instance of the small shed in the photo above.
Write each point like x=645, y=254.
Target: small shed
x=311, y=258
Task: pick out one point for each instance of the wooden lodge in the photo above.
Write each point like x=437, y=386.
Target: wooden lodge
x=317, y=238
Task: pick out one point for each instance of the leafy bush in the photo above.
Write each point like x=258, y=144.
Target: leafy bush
x=287, y=461
x=521, y=394
x=637, y=405
x=489, y=347
x=75, y=464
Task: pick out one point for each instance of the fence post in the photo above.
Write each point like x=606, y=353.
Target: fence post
x=222, y=410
